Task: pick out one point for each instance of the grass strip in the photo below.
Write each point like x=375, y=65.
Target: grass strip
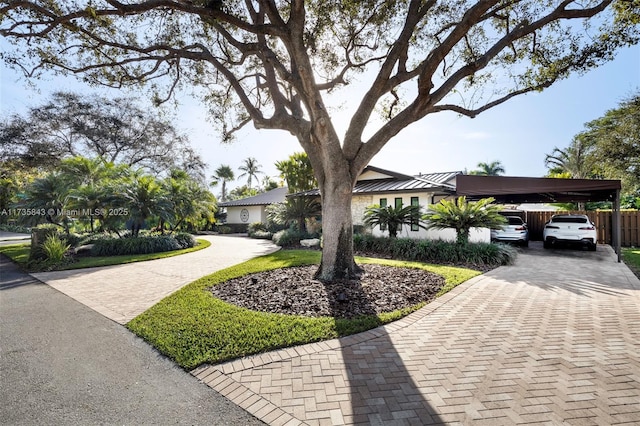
x=193, y=327
x=631, y=257
x=19, y=253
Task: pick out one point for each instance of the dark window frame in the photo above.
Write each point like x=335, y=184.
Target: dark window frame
x=415, y=201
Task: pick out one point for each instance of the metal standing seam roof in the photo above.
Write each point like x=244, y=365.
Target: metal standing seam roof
x=424, y=182
x=277, y=195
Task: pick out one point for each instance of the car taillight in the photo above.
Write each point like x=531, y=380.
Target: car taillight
x=587, y=228
x=521, y=228
x=552, y=227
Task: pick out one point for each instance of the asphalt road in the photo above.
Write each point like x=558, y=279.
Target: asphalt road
x=62, y=363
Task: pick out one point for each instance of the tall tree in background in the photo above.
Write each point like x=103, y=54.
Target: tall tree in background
x=272, y=63
x=495, y=168
x=576, y=161
x=616, y=139
x=297, y=172
x=113, y=129
x=223, y=174
x=251, y=169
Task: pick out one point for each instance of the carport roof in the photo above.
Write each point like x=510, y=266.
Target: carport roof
x=512, y=190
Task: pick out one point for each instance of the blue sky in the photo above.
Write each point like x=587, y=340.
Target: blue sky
x=518, y=133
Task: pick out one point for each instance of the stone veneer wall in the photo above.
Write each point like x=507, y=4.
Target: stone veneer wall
x=358, y=205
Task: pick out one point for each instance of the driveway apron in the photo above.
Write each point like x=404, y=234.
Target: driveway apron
x=553, y=339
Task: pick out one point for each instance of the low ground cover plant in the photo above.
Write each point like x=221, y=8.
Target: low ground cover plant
x=192, y=327
x=435, y=251
x=141, y=244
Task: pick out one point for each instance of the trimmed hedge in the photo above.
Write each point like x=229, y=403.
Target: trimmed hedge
x=135, y=245
x=436, y=251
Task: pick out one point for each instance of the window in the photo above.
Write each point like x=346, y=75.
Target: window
x=415, y=218
x=383, y=203
x=398, y=202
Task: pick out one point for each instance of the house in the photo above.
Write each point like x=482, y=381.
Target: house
x=240, y=213
x=374, y=186
x=385, y=187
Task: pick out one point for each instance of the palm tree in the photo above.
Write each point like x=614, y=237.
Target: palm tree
x=294, y=210
x=576, y=160
x=495, y=168
x=250, y=169
x=189, y=200
x=145, y=197
x=223, y=174
x=48, y=195
x=463, y=216
x=392, y=218
x=89, y=197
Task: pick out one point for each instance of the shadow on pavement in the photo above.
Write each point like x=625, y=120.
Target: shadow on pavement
x=381, y=389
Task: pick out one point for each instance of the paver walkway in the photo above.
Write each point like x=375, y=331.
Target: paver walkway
x=551, y=340
x=123, y=292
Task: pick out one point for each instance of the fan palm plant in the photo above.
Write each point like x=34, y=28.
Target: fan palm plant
x=462, y=216
x=392, y=218
x=294, y=210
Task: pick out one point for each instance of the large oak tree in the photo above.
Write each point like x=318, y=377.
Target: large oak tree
x=112, y=129
x=272, y=63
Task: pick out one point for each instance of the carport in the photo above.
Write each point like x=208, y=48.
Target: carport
x=518, y=190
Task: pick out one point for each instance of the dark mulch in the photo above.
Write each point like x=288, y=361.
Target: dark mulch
x=294, y=291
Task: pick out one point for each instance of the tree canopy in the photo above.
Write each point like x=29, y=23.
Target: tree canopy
x=113, y=129
x=609, y=148
x=494, y=168
x=297, y=172
x=272, y=63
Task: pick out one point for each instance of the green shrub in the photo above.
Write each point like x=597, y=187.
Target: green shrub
x=288, y=237
x=223, y=229
x=185, y=240
x=256, y=226
x=54, y=248
x=39, y=235
x=263, y=235
x=134, y=245
x=15, y=228
x=436, y=251
x=92, y=238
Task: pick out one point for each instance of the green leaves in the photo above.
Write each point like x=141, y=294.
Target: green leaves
x=392, y=218
x=462, y=216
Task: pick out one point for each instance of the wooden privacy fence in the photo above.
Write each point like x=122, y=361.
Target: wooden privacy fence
x=629, y=225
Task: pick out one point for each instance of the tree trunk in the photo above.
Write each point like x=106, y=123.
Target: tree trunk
x=337, y=231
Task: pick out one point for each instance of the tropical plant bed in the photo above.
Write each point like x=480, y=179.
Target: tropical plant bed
x=19, y=253
x=192, y=326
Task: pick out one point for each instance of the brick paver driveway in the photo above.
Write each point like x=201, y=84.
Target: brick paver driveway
x=554, y=339
x=122, y=292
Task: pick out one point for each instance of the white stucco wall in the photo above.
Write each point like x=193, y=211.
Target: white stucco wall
x=256, y=214
x=360, y=203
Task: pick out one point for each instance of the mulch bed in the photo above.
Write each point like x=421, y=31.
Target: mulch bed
x=294, y=291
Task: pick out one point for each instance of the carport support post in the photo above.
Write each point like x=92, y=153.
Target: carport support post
x=617, y=219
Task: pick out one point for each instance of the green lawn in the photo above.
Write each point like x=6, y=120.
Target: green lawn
x=631, y=257
x=192, y=327
x=19, y=253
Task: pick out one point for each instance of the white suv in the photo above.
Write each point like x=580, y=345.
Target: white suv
x=570, y=228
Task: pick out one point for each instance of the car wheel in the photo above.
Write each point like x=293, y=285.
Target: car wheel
x=546, y=244
x=525, y=244
x=592, y=247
